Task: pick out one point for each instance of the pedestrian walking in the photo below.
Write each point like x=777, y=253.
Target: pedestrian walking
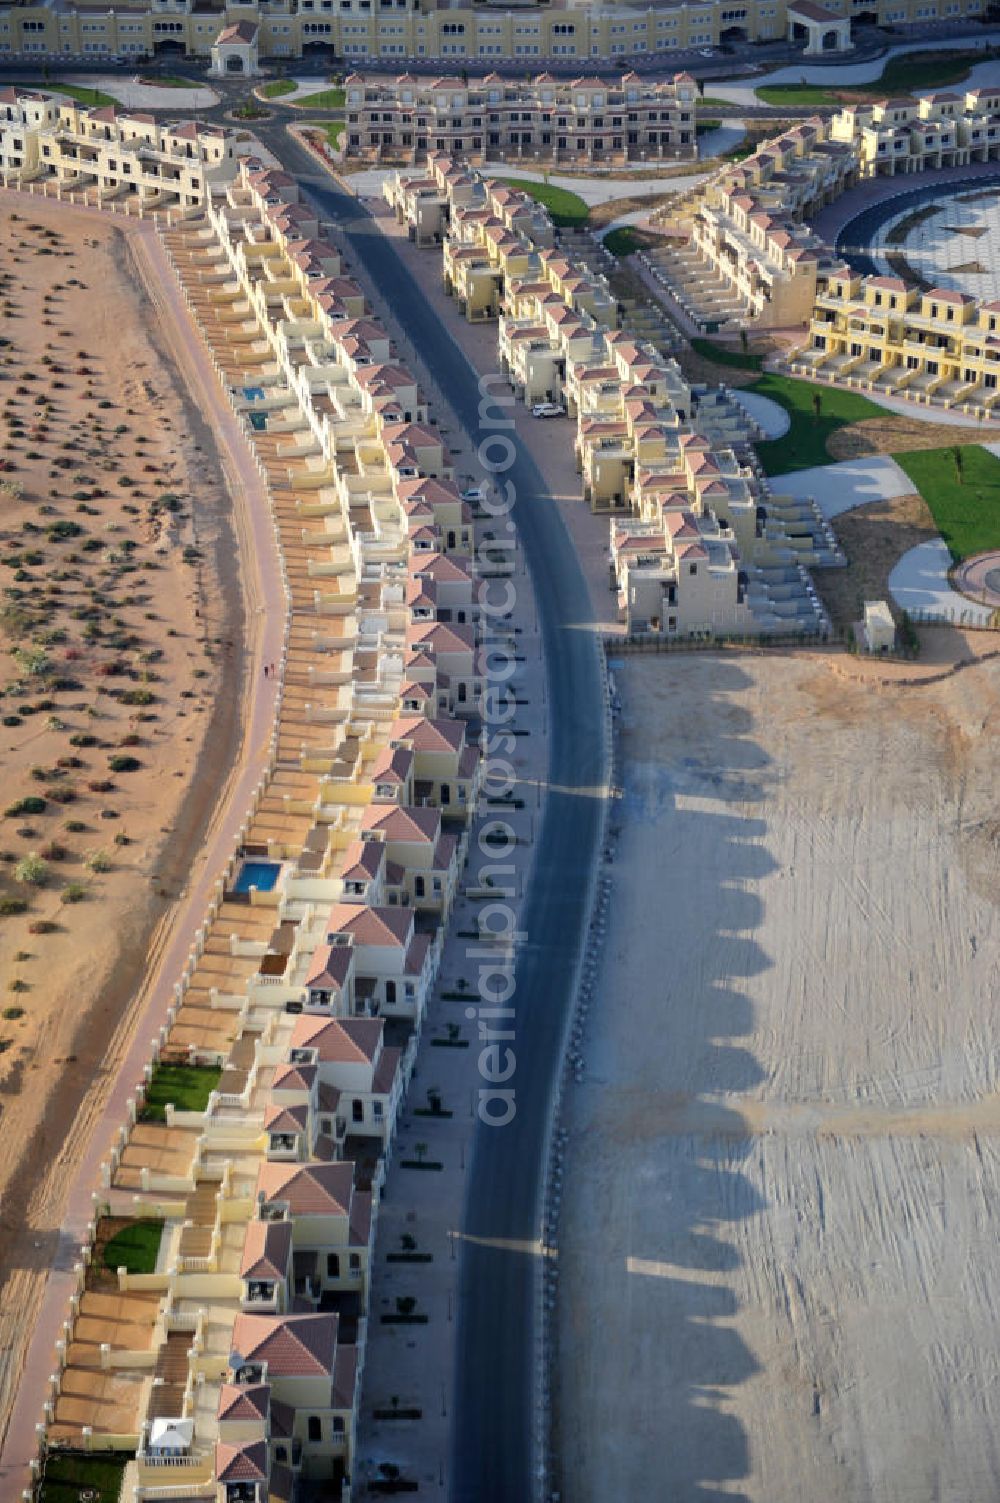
x=265, y=670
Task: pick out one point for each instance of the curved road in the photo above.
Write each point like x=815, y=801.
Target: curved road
x=854, y=240
x=492, y=1407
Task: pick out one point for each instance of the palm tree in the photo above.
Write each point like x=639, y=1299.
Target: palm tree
x=959, y=460
x=420, y=1149
x=817, y=404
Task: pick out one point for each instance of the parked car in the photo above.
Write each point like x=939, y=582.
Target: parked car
x=706, y=51
x=548, y=409
x=474, y=492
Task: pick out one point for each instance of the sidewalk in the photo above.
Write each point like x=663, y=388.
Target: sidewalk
x=265, y=597
x=835, y=76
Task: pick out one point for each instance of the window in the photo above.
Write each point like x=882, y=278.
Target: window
x=357, y=1111
x=332, y=1266
x=315, y=1427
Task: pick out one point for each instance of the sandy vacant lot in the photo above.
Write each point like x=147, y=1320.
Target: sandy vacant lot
x=120, y=618
x=780, y=1279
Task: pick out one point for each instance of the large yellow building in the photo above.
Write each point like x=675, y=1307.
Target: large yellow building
x=402, y=30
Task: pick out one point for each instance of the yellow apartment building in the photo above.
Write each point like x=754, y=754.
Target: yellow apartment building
x=528, y=36
x=583, y=121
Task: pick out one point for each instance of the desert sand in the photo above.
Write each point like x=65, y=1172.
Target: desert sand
x=778, y=1249
x=122, y=618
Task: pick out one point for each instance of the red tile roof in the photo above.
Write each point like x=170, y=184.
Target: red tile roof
x=291, y=1345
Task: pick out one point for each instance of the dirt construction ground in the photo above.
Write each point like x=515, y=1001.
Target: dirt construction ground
x=779, y=1272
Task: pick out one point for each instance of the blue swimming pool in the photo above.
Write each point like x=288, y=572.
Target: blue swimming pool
x=254, y=393
x=260, y=874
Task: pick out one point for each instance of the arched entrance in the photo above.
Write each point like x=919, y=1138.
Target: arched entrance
x=234, y=64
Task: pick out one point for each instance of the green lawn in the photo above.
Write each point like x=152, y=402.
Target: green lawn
x=708, y=103
x=721, y=355
x=568, y=210
x=622, y=241
x=804, y=445
x=277, y=87
x=796, y=94
x=187, y=1087
x=68, y=1474
x=326, y=99
x=171, y=81
x=967, y=511
x=135, y=1247
x=901, y=75
x=93, y=98
x=332, y=129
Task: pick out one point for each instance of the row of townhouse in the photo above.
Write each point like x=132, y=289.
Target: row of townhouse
x=359, y=31
x=887, y=335
x=696, y=542
x=948, y=129
x=586, y=120
x=234, y=1370
x=109, y=155
x=746, y=250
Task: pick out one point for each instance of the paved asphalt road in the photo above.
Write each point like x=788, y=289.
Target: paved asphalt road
x=492, y=1407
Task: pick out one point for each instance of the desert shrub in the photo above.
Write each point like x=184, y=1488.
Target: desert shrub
x=11, y=906
x=32, y=871
x=83, y=738
x=99, y=861
x=30, y=805
x=75, y=892
x=75, y=826
x=58, y=532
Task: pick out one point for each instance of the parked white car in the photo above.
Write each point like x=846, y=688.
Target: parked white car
x=548, y=409
x=475, y=492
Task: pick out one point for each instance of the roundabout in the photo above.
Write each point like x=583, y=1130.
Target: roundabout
x=979, y=578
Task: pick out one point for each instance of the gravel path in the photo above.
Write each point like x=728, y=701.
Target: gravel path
x=842, y=487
